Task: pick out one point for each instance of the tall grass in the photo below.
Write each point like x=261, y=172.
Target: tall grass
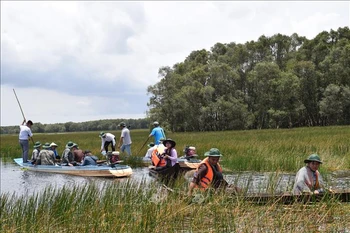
x=130, y=207
x=254, y=150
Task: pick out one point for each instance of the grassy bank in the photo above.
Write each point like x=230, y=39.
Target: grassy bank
x=127, y=207
x=254, y=150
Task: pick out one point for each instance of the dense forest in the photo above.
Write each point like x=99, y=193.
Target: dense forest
x=279, y=81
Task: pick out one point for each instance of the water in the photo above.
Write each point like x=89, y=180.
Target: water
x=23, y=182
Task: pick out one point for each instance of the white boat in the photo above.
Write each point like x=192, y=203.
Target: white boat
x=115, y=170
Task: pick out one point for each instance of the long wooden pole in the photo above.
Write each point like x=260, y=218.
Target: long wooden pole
x=19, y=104
x=21, y=110
x=142, y=146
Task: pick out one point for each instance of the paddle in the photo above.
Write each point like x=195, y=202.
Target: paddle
x=142, y=146
x=21, y=110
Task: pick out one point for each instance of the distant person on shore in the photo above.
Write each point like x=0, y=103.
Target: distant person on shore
x=25, y=134
x=209, y=174
x=107, y=139
x=68, y=156
x=46, y=156
x=308, y=179
x=53, y=147
x=36, y=151
x=125, y=139
x=157, y=132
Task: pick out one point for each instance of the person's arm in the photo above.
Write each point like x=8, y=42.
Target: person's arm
x=172, y=156
x=102, y=144
x=121, y=139
x=197, y=176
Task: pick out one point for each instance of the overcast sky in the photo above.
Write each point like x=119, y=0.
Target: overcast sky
x=82, y=61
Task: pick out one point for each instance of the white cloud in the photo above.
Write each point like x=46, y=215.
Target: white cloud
x=86, y=55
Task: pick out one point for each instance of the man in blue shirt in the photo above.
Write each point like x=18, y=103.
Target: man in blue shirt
x=157, y=133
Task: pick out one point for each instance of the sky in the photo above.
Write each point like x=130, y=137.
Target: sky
x=84, y=60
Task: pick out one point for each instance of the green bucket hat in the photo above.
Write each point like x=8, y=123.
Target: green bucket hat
x=46, y=145
x=213, y=152
x=122, y=124
x=150, y=145
x=37, y=144
x=71, y=145
x=102, y=134
x=313, y=158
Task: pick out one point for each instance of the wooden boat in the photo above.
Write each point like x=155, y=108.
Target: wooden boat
x=288, y=198
x=115, y=170
x=165, y=174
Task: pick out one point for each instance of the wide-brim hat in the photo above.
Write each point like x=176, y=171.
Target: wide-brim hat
x=171, y=141
x=102, y=134
x=150, y=145
x=37, y=144
x=213, y=152
x=46, y=145
x=313, y=158
x=70, y=145
x=53, y=144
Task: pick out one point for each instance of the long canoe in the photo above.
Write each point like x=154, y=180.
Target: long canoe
x=288, y=198
x=116, y=170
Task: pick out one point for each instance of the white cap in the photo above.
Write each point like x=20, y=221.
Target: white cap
x=192, y=148
x=53, y=144
x=115, y=153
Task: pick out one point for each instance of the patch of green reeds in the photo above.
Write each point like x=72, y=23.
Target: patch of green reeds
x=251, y=150
x=137, y=207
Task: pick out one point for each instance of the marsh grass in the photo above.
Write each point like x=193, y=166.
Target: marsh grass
x=253, y=150
x=130, y=207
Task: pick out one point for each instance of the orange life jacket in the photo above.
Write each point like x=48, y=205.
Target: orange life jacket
x=157, y=159
x=208, y=178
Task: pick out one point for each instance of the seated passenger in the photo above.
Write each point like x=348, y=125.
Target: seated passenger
x=78, y=154
x=151, y=148
x=89, y=159
x=53, y=148
x=46, y=156
x=167, y=158
x=190, y=153
x=36, y=151
x=67, y=155
x=308, y=179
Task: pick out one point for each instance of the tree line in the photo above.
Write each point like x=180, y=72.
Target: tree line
x=99, y=125
x=278, y=81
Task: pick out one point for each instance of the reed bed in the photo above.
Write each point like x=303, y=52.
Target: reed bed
x=130, y=207
x=252, y=150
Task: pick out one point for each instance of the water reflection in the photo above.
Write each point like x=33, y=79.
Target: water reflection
x=18, y=181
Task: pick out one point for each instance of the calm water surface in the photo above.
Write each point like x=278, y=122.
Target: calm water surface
x=14, y=180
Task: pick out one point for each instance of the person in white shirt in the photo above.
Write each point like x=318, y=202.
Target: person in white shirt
x=107, y=139
x=125, y=139
x=25, y=134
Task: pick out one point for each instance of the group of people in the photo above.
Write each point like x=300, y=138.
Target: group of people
x=163, y=155
x=71, y=156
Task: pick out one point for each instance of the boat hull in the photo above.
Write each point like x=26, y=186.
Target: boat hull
x=87, y=171
x=342, y=196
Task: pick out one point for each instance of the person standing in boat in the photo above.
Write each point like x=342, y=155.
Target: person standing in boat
x=157, y=132
x=46, y=156
x=209, y=173
x=125, y=139
x=308, y=179
x=107, y=139
x=36, y=151
x=68, y=156
x=25, y=134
